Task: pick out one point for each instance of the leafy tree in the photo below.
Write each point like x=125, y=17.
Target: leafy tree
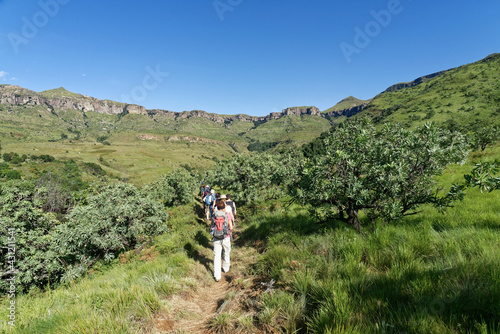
x=117, y=217
x=37, y=264
x=175, y=188
x=486, y=135
x=256, y=177
x=387, y=173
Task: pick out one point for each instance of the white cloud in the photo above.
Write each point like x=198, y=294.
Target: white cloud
x=3, y=75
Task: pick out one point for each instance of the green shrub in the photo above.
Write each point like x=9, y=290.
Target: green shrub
x=94, y=169
x=37, y=264
x=119, y=217
x=258, y=176
x=175, y=188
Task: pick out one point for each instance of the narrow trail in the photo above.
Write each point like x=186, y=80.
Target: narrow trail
x=235, y=294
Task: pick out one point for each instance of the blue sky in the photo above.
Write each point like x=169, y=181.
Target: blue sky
x=238, y=56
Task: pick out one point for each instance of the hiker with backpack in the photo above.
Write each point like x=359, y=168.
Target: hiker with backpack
x=221, y=233
x=202, y=190
x=228, y=209
x=230, y=203
x=209, y=203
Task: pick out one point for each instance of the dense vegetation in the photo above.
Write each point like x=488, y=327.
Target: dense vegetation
x=95, y=254
x=65, y=226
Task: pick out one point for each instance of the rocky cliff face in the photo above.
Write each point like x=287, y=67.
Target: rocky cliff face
x=61, y=99
x=415, y=82
x=346, y=112
x=18, y=96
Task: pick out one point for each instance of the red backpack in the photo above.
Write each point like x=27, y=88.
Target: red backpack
x=220, y=228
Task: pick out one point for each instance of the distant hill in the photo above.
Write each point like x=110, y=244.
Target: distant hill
x=348, y=102
x=142, y=143
x=415, y=82
x=59, y=92
x=463, y=96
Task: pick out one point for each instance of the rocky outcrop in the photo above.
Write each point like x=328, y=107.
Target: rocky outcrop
x=191, y=139
x=60, y=99
x=415, y=82
x=135, y=109
x=18, y=96
x=299, y=111
x=346, y=112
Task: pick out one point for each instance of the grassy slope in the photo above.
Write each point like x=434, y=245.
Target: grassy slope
x=348, y=102
x=140, y=148
x=298, y=129
x=467, y=94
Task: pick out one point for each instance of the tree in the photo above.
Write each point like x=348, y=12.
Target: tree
x=36, y=263
x=257, y=176
x=485, y=136
x=175, y=188
x=386, y=173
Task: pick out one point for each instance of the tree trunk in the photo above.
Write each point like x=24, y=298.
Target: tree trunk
x=353, y=219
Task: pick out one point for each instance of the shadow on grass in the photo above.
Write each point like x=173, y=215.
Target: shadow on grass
x=194, y=254
x=293, y=224
x=461, y=297
x=199, y=211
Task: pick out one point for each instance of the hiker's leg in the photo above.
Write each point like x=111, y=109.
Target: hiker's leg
x=226, y=243
x=217, y=259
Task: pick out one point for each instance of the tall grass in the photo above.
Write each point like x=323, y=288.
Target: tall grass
x=429, y=273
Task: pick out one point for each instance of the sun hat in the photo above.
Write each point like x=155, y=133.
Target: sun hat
x=222, y=196
x=212, y=191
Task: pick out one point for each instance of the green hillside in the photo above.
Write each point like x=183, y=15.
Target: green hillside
x=59, y=92
x=465, y=95
x=348, y=102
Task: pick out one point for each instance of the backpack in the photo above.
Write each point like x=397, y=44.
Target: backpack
x=220, y=227
x=209, y=199
x=231, y=204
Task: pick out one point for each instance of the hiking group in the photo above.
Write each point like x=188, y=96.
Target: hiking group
x=220, y=212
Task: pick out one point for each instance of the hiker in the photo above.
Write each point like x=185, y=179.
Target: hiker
x=202, y=190
x=206, y=192
x=230, y=202
x=214, y=207
x=221, y=232
x=209, y=202
x=228, y=209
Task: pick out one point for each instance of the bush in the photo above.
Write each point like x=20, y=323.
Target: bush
x=102, y=139
x=119, y=217
x=94, y=169
x=36, y=262
x=176, y=188
x=14, y=158
x=258, y=176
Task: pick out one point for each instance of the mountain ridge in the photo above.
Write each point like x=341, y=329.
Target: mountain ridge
x=62, y=99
